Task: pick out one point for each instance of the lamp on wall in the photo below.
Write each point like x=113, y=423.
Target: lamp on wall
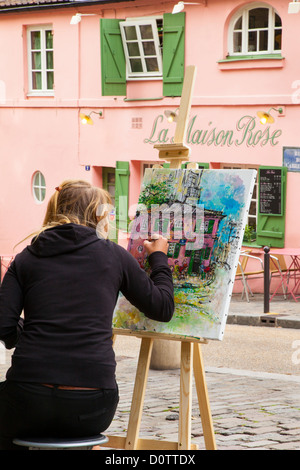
x=180, y=6
x=77, y=18
x=171, y=115
x=265, y=116
x=86, y=118
x=294, y=7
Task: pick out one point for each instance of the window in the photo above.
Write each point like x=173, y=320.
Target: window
x=255, y=31
x=40, y=60
x=109, y=182
x=145, y=165
x=142, y=42
x=139, y=49
x=38, y=187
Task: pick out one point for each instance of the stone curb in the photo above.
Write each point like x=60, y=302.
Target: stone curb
x=271, y=320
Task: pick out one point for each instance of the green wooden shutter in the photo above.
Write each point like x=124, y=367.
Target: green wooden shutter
x=271, y=226
x=113, y=65
x=122, y=195
x=201, y=166
x=173, y=53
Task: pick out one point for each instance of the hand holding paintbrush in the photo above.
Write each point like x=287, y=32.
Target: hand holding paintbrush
x=156, y=243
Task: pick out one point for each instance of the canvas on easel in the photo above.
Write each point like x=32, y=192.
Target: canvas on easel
x=203, y=214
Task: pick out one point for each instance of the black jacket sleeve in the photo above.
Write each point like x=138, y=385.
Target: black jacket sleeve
x=154, y=295
x=11, y=305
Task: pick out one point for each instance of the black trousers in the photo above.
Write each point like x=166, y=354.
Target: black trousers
x=33, y=410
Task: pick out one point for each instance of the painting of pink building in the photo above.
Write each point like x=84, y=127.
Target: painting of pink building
x=121, y=65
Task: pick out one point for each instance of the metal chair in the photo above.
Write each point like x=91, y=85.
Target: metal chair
x=278, y=268
x=243, y=275
x=78, y=443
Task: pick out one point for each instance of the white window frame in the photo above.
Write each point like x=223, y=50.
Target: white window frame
x=38, y=187
x=44, y=91
x=244, y=13
x=136, y=22
x=145, y=165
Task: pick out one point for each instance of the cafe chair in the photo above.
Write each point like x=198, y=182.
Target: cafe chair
x=5, y=262
x=278, y=268
x=243, y=275
x=78, y=443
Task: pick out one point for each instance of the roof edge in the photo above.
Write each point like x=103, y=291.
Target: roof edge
x=40, y=7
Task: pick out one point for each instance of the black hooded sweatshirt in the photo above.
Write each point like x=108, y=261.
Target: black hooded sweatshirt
x=67, y=282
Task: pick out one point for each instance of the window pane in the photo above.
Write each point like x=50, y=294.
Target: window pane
x=37, y=80
x=111, y=178
x=277, y=20
x=277, y=40
x=136, y=65
x=146, y=31
x=49, y=59
x=152, y=64
x=259, y=18
x=252, y=41
x=36, y=60
x=252, y=209
x=50, y=80
x=252, y=223
x=42, y=181
x=35, y=40
x=37, y=193
x=160, y=31
x=254, y=191
x=49, y=39
x=149, y=48
x=133, y=49
x=130, y=33
x=263, y=40
x=237, y=42
x=112, y=190
x=36, y=179
x=238, y=24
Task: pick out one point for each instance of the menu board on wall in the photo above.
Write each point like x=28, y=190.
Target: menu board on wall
x=270, y=191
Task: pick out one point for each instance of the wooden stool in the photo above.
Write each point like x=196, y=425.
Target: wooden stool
x=78, y=443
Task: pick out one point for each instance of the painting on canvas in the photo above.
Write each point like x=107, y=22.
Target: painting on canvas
x=203, y=214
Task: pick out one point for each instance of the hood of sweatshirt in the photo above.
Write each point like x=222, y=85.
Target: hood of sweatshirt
x=62, y=239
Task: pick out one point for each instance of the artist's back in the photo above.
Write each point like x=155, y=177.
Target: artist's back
x=68, y=281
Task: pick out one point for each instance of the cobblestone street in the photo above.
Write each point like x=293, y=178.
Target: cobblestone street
x=256, y=412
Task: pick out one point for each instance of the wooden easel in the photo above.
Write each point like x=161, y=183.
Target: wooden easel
x=191, y=361
x=191, y=354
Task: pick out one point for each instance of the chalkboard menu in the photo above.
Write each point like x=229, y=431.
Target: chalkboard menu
x=270, y=191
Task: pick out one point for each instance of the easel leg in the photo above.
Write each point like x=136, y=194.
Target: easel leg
x=184, y=430
x=204, y=406
x=139, y=394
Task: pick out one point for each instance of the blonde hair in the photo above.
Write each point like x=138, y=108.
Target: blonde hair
x=78, y=202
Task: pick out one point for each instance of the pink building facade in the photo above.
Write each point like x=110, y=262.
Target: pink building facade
x=123, y=65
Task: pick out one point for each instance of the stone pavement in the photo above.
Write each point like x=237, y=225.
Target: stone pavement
x=250, y=412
